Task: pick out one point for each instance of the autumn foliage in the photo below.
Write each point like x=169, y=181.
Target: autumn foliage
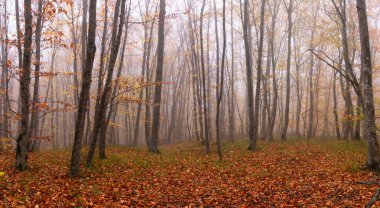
x=281, y=174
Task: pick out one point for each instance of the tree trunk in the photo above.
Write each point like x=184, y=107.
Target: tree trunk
x=367, y=88
x=311, y=89
x=274, y=79
x=85, y=91
x=22, y=140
x=221, y=84
x=106, y=94
x=287, y=102
x=335, y=111
x=232, y=80
x=206, y=115
x=147, y=91
x=248, y=65
x=159, y=72
x=33, y=144
x=259, y=71
x=141, y=95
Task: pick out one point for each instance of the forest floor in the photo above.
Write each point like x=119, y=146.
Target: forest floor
x=322, y=173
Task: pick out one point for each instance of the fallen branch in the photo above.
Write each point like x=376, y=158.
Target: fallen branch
x=368, y=182
x=4, y=187
x=374, y=199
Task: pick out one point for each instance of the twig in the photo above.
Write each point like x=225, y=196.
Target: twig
x=373, y=199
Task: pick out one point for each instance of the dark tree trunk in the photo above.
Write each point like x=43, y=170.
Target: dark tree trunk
x=221, y=85
x=259, y=72
x=232, y=81
x=274, y=79
x=85, y=91
x=206, y=115
x=287, y=102
x=101, y=67
x=367, y=88
x=33, y=144
x=101, y=124
x=5, y=125
x=348, y=108
x=159, y=72
x=248, y=65
x=147, y=90
x=19, y=32
x=75, y=52
x=22, y=140
x=311, y=86
x=141, y=95
x=335, y=111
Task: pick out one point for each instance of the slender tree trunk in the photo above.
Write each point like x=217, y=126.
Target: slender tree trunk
x=101, y=67
x=19, y=32
x=221, y=84
x=259, y=71
x=159, y=73
x=367, y=87
x=33, y=144
x=22, y=140
x=311, y=89
x=147, y=91
x=85, y=91
x=141, y=95
x=274, y=79
x=232, y=80
x=206, y=116
x=266, y=114
x=287, y=102
x=335, y=111
x=75, y=52
x=106, y=94
x=248, y=65
x=5, y=127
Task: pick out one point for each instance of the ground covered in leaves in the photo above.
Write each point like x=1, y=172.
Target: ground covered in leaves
x=321, y=173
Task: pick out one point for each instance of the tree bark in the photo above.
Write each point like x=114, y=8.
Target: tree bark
x=101, y=124
x=206, y=114
x=373, y=160
x=335, y=111
x=22, y=140
x=159, y=72
x=85, y=91
x=287, y=102
x=248, y=65
x=259, y=71
x=33, y=143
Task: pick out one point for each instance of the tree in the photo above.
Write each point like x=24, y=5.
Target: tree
x=259, y=71
x=33, y=142
x=248, y=65
x=335, y=111
x=100, y=124
x=373, y=161
x=143, y=68
x=287, y=102
x=19, y=46
x=221, y=84
x=311, y=77
x=5, y=63
x=273, y=60
x=159, y=71
x=85, y=91
x=22, y=140
x=206, y=114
